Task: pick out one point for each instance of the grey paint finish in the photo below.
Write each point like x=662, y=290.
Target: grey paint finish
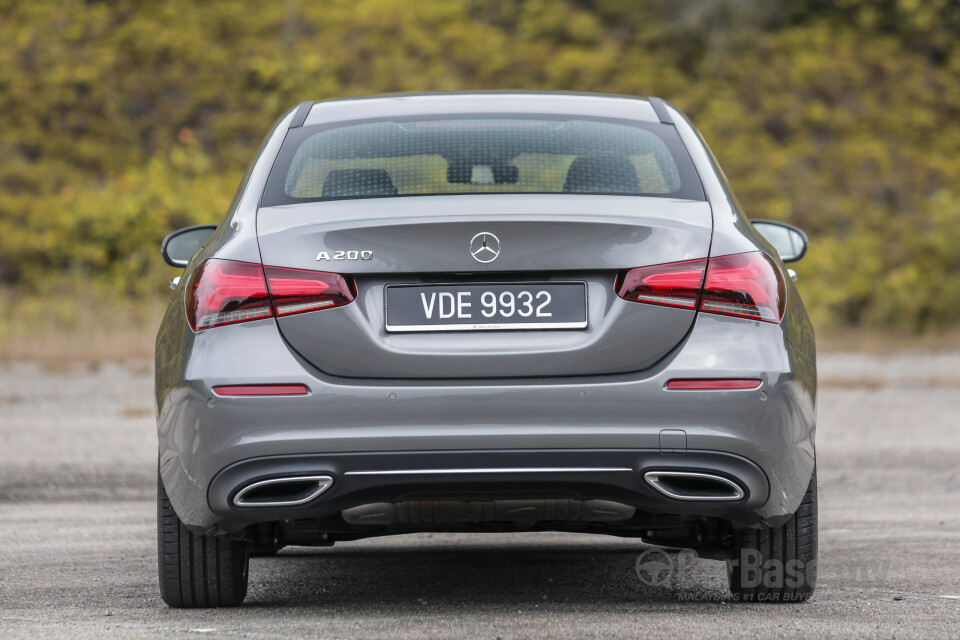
x=537, y=232
x=542, y=238
x=481, y=102
x=614, y=412
x=620, y=337
x=606, y=410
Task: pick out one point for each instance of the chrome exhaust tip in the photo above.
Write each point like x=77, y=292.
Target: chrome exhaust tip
x=282, y=492
x=693, y=485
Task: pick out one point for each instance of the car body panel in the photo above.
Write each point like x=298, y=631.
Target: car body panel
x=613, y=412
x=412, y=104
x=537, y=232
x=542, y=238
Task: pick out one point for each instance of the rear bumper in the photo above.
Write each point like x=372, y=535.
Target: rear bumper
x=364, y=478
x=210, y=445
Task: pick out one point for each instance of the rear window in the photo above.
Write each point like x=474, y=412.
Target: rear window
x=448, y=156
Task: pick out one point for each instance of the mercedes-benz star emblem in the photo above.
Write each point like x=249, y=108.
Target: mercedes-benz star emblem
x=485, y=247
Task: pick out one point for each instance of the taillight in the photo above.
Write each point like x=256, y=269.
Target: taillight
x=746, y=285
x=223, y=292
x=673, y=285
x=298, y=291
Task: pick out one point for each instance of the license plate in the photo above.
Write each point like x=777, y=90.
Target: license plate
x=490, y=307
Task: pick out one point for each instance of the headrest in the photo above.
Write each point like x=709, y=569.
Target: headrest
x=344, y=183
x=607, y=174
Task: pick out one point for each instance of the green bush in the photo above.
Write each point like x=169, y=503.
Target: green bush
x=121, y=121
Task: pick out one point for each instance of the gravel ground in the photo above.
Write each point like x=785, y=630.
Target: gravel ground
x=77, y=535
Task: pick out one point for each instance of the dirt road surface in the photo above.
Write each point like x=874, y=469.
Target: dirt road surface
x=77, y=535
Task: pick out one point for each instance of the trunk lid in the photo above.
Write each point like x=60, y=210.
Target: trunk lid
x=544, y=239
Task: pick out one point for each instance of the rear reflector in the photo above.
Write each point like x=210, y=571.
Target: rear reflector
x=713, y=383
x=262, y=390
x=223, y=292
x=745, y=285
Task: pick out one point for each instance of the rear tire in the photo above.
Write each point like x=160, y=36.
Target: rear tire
x=778, y=564
x=197, y=571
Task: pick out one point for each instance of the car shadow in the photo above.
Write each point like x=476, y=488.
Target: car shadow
x=440, y=572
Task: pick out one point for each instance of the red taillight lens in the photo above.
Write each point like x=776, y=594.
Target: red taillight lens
x=674, y=285
x=223, y=292
x=297, y=291
x=746, y=285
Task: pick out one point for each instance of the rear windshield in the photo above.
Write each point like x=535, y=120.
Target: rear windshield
x=447, y=156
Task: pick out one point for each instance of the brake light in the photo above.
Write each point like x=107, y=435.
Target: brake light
x=673, y=285
x=224, y=292
x=745, y=285
x=297, y=291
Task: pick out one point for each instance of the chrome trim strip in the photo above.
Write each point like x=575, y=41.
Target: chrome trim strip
x=412, y=472
x=323, y=483
x=304, y=306
x=653, y=479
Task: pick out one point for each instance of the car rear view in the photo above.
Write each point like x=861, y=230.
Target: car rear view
x=485, y=312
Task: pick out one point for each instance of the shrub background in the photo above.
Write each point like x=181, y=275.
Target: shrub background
x=120, y=121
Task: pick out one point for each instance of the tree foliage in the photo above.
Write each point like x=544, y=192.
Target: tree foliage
x=122, y=120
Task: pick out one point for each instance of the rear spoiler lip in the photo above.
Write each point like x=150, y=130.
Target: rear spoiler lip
x=300, y=115
x=660, y=108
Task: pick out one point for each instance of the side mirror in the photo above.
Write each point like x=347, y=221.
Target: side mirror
x=789, y=241
x=178, y=247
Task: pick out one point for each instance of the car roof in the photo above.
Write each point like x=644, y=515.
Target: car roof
x=486, y=102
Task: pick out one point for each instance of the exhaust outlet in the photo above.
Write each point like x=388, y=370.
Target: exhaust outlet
x=693, y=485
x=282, y=492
